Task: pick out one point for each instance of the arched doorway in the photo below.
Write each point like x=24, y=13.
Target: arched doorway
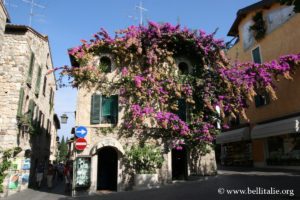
x=107, y=169
x=179, y=164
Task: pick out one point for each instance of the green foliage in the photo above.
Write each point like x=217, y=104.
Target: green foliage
x=6, y=163
x=259, y=26
x=144, y=159
x=62, y=150
x=25, y=120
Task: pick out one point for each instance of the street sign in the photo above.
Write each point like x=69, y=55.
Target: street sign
x=81, y=132
x=80, y=144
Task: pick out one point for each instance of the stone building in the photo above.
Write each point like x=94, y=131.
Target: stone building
x=271, y=138
x=106, y=147
x=27, y=118
x=4, y=18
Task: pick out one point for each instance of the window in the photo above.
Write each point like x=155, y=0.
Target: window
x=256, y=55
x=183, y=68
x=30, y=111
x=20, y=104
x=262, y=99
x=48, y=127
x=105, y=64
x=51, y=97
x=182, y=109
x=104, y=110
x=38, y=82
x=44, y=86
x=41, y=119
x=30, y=70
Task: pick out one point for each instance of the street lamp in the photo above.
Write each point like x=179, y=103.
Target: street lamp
x=63, y=119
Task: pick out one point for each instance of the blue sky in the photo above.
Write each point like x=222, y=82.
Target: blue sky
x=68, y=21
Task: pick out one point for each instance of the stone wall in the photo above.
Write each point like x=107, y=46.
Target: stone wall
x=18, y=44
x=3, y=19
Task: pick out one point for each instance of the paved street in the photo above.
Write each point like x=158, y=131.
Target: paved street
x=204, y=188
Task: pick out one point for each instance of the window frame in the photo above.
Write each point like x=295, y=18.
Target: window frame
x=260, y=54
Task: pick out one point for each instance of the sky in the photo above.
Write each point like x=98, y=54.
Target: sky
x=66, y=22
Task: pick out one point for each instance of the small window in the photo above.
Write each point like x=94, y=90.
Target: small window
x=183, y=68
x=256, y=55
x=30, y=69
x=182, y=114
x=105, y=64
x=44, y=86
x=262, y=99
x=104, y=109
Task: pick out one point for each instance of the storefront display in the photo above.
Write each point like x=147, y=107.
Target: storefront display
x=236, y=154
x=284, y=150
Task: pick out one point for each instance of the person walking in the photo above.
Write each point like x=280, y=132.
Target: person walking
x=50, y=173
x=67, y=175
x=39, y=174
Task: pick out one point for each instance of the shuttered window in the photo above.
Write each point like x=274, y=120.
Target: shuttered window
x=95, y=110
x=182, y=109
x=256, y=55
x=30, y=70
x=38, y=82
x=31, y=109
x=262, y=99
x=20, y=104
x=104, y=110
x=44, y=86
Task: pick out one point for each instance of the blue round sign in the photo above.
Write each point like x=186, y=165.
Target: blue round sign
x=81, y=132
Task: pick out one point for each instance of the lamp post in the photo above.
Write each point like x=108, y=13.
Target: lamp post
x=64, y=118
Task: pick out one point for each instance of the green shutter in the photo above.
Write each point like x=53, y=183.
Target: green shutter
x=31, y=109
x=106, y=108
x=257, y=100
x=20, y=105
x=115, y=109
x=36, y=119
x=30, y=70
x=38, y=81
x=95, y=109
x=182, y=109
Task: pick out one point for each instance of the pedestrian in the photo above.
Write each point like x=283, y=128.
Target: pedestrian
x=50, y=173
x=60, y=172
x=39, y=174
x=67, y=175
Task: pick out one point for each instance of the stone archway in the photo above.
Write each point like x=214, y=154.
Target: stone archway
x=106, y=156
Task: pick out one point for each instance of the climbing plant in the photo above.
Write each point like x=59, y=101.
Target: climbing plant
x=259, y=26
x=150, y=87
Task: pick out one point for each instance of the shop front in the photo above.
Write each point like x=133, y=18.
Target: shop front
x=236, y=147
x=280, y=140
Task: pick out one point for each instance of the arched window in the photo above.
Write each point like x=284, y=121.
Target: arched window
x=183, y=68
x=105, y=64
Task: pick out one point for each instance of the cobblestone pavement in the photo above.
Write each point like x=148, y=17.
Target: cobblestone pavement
x=255, y=184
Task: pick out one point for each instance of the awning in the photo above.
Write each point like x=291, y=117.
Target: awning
x=233, y=136
x=281, y=127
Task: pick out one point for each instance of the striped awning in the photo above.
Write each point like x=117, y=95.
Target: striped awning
x=236, y=135
x=281, y=127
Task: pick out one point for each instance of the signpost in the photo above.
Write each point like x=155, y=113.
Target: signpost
x=80, y=144
x=81, y=132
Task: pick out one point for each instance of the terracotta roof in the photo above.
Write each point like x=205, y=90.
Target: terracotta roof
x=245, y=11
x=5, y=11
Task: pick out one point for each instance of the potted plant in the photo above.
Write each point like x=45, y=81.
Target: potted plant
x=145, y=160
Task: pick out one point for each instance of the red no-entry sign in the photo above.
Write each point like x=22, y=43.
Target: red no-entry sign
x=80, y=144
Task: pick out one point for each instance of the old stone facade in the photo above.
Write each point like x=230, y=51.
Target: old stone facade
x=27, y=117
x=272, y=132
x=105, y=139
x=4, y=17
